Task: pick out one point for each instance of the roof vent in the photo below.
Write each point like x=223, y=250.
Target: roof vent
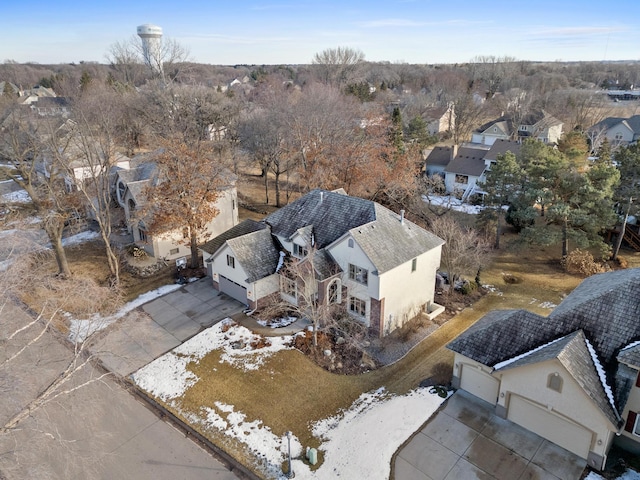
x=402, y=216
x=321, y=196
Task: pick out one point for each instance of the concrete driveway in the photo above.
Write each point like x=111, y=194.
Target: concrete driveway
x=466, y=440
x=171, y=319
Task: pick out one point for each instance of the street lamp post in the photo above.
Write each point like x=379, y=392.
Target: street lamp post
x=290, y=473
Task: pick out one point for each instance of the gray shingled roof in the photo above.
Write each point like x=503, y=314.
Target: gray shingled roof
x=439, y=156
x=502, y=146
x=256, y=252
x=330, y=213
x=630, y=355
x=572, y=352
x=247, y=226
x=605, y=306
x=469, y=161
x=389, y=242
x=632, y=122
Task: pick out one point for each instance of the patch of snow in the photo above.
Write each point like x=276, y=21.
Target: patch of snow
x=19, y=196
x=627, y=475
x=549, y=305
x=601, y=374
x=631, y=345
x=80, y=329
x=277, y=322
x=503, y=364
x=358, y=442
x=280, y=261
x=166, y=377
x=82, y=237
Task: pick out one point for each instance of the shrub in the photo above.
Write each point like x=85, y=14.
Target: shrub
x=622, y=262
x=580, y=262
x=468, y=288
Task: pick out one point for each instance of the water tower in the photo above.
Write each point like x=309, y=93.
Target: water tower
x=151, y=36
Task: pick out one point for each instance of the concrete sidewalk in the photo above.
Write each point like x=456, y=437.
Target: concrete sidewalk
x=170, y=320
x=466, y=440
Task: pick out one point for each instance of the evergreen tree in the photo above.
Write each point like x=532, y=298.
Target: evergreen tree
x=503, y=184
x=628, y=160
x=418, y=133
x=397, y=136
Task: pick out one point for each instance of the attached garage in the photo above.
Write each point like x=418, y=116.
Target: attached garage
x=479, y=383
x=233, y=289
x=547, y=424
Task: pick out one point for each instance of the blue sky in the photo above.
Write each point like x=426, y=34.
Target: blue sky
x=289, y=32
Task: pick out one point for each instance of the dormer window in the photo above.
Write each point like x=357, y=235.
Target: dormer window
x=299, y=251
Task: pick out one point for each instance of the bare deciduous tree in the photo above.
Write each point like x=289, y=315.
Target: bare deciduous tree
x=464, y=251
x=338, y=66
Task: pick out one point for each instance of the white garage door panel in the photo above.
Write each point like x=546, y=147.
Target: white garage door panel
x=479, y=383
x=232, y=289
x=556, y=429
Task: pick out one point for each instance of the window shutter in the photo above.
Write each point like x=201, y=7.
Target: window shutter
x=631, y=421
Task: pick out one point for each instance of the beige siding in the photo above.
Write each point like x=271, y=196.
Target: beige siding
x=571, y=402
x=406, y=292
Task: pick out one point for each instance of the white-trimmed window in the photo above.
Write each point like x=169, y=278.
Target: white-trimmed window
x=358, y=306
x=359, y=274
x=288, y=286
x=462, y=179
x=299, y=251
x=231, y=261
x=333, y=292
x=143, y=235
x=350, y=243
x=414, y=264
x=174, y=251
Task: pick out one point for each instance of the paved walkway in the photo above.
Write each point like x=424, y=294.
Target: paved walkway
x=465, y=440
x=171, y=319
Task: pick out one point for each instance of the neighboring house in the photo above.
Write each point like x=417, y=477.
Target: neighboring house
x=463, y=172
x=572, y=377
x=440, y=119
x=438, y=159
x=130, y=183
x=378, y=264
x=537, y=124
x=618, y=130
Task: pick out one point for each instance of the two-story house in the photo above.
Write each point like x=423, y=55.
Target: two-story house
x=572, y=377
x=378, y=264
x=619, y=131
x=537, y=124
x=131, y=181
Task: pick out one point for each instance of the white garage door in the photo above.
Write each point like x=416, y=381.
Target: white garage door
x=479, y=383
x=554, y=428
x=233, y=289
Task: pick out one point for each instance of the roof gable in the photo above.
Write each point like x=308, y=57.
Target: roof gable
x=256, y=254
x=572, y=351
x=391, y=240
x=330, y=213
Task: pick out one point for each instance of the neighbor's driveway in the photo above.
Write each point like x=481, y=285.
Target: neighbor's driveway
x=171, y=319
x=466, y=440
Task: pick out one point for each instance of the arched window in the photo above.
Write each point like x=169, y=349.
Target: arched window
x=333, y=292
x=554, y=382
x=121, y=189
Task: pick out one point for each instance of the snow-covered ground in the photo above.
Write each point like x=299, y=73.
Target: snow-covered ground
x=356, y=443
x=628, y=475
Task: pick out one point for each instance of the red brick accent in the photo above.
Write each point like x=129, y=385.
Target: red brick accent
x=376, y=318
